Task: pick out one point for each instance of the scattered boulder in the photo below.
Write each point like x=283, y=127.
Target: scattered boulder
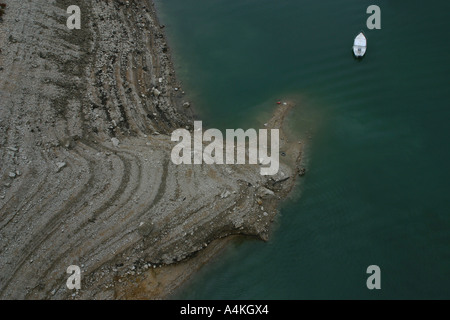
x=68, y=142
x=60, y=166
x=115, y=142
x=265, y=193
x=156, y=92
x=225, y=194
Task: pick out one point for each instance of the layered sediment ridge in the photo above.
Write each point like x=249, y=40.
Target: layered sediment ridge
x=86, y=175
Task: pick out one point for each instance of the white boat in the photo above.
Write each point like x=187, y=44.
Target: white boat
x=360, y=45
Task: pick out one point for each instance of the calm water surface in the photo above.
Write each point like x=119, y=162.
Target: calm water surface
x=377, y=186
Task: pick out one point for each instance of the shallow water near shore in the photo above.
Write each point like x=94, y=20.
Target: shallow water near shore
x=377, y=185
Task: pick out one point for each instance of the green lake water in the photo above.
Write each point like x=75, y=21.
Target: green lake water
x=377, y=187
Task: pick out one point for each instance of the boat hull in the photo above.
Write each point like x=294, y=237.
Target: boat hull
x=360, y=45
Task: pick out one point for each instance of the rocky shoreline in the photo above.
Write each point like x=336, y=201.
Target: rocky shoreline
x=86, y=176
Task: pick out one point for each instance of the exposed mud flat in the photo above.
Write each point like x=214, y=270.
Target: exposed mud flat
x=86, y=176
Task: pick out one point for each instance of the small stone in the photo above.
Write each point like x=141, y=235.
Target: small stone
x=12, y=174
x=225, y=194
x=115, y=142
x=265, y=214
x=186, y=104
x=265, y=193
x=60, y=165
x=156, y=92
